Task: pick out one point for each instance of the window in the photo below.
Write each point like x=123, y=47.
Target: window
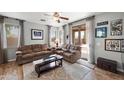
x=12, y=40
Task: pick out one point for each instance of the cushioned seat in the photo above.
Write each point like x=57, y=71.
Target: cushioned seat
x=66, y=54
x=45, y=52
x=59, y=52
x=29, y=53
x=27, y=56
x=37, y=53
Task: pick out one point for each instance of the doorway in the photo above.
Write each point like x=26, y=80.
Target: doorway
x=79, y=38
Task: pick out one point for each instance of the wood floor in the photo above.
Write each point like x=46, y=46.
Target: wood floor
x=11, y=71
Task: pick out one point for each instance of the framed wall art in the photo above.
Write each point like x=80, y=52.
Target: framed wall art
x=116, y=45
x=122, y=45
x=116, y=27
x=36, y=34
x=101, y=32
x=102, y=23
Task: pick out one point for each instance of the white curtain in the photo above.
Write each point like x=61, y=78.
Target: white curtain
x=90, y=38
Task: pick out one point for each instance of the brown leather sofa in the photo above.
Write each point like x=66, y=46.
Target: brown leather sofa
x=29, y=53
x=70, y=53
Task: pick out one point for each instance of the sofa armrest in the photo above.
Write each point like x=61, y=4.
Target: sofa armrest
x=19, y=57
x=18, y=53
x=49, y=49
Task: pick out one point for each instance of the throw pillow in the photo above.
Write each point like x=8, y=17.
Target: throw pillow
x=65, y=50
x=68, y=46
x=72, y=51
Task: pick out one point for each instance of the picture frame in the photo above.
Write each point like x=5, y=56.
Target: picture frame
x=114, y=45
x=101, y=32
x=36, y=34
x=122, y=45
x=116, y=27
x=102, y=23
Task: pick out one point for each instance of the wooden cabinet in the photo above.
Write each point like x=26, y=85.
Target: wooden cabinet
x=106, y=64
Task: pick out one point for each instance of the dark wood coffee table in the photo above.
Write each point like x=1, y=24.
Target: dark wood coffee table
x=47, y=63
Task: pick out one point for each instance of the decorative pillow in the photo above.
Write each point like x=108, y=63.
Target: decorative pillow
x=68, y=46
x=65, y=50
x=65, y=46
x=72, y=47
x=75, y=48
x=72, y=51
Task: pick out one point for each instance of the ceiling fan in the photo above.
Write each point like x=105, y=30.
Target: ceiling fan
x=56, y=16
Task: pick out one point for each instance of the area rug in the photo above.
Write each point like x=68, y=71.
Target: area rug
x=85, y=63
x=54, y=74
x=76, y=71
x=66, y=72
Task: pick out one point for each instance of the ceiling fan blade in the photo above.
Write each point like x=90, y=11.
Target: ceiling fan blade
x=65, y=18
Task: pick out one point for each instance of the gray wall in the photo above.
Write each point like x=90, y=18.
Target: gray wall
x=27, y=33
x=10, y=52
x=99, y=50
x=99, y=42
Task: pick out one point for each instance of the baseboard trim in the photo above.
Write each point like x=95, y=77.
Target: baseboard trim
x=11, y=60
x=120, y=70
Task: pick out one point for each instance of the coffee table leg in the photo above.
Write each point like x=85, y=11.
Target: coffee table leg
x=55, y=63
x=61, y=62
x=38, y=75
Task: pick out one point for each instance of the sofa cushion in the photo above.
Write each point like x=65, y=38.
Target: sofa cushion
x=60, y=52
x=65, y=50
x=72, y=51
x=25, y=49
x=67, y=54
x=27, y=56
x=36, y=48
x=37, y=53
x=44, y=47
x=46, y=52
x=28, y=51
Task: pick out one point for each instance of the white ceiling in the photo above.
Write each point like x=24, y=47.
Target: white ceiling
x=37, y=16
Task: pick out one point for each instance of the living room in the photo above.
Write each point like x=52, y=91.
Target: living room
x=74, y=36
